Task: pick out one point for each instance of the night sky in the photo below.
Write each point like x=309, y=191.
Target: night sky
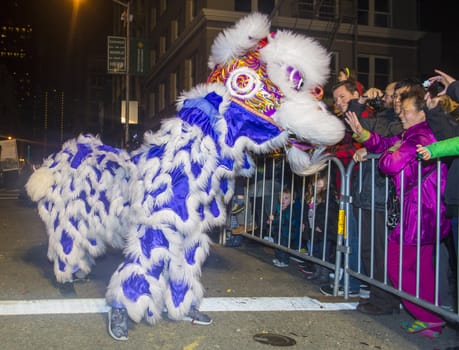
x=67, y=36
x=63, y=37
x=441, y=16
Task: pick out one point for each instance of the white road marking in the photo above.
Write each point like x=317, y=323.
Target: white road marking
x=84, y=306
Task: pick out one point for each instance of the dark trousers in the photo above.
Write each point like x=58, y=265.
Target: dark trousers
x=378, y=297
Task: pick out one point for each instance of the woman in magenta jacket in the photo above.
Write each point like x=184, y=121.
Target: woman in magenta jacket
x=399, y=153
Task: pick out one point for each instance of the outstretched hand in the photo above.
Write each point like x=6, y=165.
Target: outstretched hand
x=423, y=153
x=443, y=78
x=354, y=123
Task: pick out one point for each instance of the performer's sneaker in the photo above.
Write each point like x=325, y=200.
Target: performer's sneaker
x=118, y=323
x=80, y=277
x=67, y=289
x=197, y=317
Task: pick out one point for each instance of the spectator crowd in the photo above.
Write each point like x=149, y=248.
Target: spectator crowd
x=403, y=129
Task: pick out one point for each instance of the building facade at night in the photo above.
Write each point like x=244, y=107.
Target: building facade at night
x=380, y=39
x=16, y=54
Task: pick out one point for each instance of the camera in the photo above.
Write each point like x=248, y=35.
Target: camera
x=433, y=88
x=376, y=103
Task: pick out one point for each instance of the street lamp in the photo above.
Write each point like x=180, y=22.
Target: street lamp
x=127, y=18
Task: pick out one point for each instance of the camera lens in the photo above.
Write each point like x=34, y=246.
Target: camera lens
x=435, y=88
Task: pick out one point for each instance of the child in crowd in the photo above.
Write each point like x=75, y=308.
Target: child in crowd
x=347, y=73
x=322, y=219
x=285, y=226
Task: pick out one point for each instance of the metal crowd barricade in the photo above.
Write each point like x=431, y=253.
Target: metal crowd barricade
x=262, y=195
x=356, y=174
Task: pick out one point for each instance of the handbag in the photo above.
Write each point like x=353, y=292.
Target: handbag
x=393, y=202
x=393, y=207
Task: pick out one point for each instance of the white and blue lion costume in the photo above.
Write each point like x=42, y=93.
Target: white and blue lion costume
x=158, y=202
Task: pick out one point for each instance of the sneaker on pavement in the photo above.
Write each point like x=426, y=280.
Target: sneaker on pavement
x=67, y=289
x=306, y=271
x=327, y=290
x=306, y=268
x=118, y=323
x=197, y=317
x=276, y=261
x=80, y=276
x=280, y=264
x=332, y=274
x=364, y=291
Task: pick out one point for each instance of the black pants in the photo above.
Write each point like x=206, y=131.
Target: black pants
x=378, y=297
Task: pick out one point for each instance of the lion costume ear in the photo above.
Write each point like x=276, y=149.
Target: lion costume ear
x=234, y=42
x=307, y=55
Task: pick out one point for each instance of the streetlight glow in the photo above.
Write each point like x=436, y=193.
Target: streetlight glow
x=127, y=17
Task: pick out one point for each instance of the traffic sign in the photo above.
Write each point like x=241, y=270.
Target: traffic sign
x=116, y=55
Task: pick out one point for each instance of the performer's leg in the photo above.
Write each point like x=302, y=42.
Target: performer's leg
x=184, y=291
x=137, y=286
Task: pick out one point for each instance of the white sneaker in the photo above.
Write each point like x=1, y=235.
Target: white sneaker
x=364, y=291
x=280, y=264
x=276, y=261
x=197, y=317
x=332, y=274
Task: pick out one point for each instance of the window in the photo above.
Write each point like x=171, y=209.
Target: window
x=363, y=12
x=263, y=6
x=382, y=13
x=374, y=71
x=152, y=18
x=324, y=10
x=191, y=10
x=174, y=31
x=375, y=13
x=266, y=6
x=243, y=5
x=162, y=6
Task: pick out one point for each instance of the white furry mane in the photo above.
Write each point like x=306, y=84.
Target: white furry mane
x=235, y=41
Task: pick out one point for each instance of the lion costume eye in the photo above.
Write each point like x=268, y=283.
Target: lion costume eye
x=295, y=77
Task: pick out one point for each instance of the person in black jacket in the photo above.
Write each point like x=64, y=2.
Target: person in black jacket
x=445, y=126
x=372, y=204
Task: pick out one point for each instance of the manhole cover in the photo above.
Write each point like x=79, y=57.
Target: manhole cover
x=274, y=339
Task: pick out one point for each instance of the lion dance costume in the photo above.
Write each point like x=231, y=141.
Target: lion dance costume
x=157, y=202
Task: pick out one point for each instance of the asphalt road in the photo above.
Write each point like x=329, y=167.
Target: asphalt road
x=244, y=274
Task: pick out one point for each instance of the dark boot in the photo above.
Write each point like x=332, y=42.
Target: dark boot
x=67, y=289
x=320, y=275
